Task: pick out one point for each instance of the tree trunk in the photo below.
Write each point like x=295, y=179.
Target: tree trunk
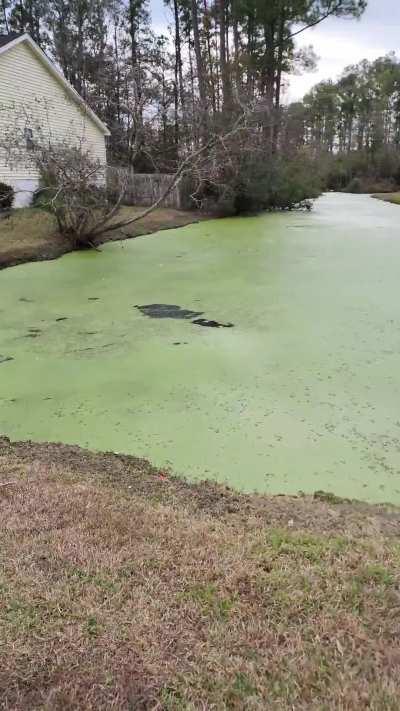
x=5, y=20
x=278, y=80
x=118, y=77
x=268, y=74
x=210, y=57
x=80, y=68
x=137, y=124
x=191, y=78
x=268, y=82
x=250, y=83
x=225, y=74
x=178, y=57
x=199, y=59
x=236, y=46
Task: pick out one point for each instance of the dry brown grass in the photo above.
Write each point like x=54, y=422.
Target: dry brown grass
x=31, y=234
x=122, y=588
x=27, y=232
x=388, y=197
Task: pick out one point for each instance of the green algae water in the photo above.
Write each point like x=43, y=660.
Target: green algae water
x=302, y=393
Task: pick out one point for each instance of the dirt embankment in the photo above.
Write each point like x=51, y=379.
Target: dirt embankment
x=124, y=588
x=30, y=235
x=388, y=197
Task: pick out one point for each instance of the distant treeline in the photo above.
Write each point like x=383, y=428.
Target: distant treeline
x=160, y=92
x=163, y=95
x=352, y=126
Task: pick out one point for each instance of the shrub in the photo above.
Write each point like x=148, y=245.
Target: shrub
x=257, y=183
x=73, y=189
x=354, y=186
x=296, y=182
x=363, y=171
x=337, y=176
x=7, y=196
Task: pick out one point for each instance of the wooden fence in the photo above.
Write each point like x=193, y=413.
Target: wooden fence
x=143, y=188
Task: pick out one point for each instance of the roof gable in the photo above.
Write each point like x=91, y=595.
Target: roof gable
x=13, y=39
x=5, y=39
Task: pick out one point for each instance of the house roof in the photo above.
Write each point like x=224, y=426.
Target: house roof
x=5, y=39
x=13, y=39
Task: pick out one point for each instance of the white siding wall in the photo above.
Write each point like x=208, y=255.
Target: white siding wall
x=27, y=89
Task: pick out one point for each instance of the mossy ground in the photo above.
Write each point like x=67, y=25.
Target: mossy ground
x=124, y=588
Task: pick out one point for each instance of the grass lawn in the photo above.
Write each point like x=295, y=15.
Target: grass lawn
x=388, y=197
x=31, y=234
x=122, y=588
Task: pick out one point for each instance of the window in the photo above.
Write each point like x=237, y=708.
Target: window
x=28, y=133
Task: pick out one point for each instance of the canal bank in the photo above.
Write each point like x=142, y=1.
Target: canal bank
x=300, y=393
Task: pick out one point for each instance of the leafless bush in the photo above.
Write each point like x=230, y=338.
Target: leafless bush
x=72, y=181
x=74, y=190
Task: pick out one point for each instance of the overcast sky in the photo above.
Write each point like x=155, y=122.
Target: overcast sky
x=337, y=43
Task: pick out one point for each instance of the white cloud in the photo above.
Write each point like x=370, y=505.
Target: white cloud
x=334, y=53
x=340, y=42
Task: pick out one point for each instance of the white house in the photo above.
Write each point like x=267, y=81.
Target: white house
x=33, y=91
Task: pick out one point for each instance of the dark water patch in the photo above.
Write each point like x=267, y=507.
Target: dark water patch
x=167, y=311
x=211, y=324
x=5, y=359
x=177, y=312
x=33, y=333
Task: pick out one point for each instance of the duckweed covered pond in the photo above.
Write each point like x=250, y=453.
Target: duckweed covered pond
x=300, y=393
